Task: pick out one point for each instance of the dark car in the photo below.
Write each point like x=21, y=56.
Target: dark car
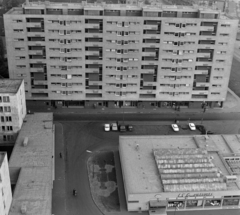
x=122, y=128
x=129, y=127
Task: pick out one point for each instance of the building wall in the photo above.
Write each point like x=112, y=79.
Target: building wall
x=5, y=186
x=158, y=82
x=13, y=118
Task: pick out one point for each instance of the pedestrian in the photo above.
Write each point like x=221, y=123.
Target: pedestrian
x=60, y=155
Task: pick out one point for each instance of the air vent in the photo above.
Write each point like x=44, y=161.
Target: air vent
x=25, y=141
x=231, y=178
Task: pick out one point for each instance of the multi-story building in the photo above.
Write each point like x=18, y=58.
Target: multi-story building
x=12, y=108
x=115, y=55
x=5, y=185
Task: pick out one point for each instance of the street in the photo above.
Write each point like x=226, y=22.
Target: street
x=79, y=140
x=146, y=116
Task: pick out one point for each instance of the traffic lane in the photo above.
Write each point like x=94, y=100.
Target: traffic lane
x=145, y=117
x=75, y=137
x=79, y=138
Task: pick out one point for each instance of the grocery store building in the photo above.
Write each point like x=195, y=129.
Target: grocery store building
x=181, y=174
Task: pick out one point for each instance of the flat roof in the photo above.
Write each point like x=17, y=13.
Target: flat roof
x=139, y=165
x=9, y=85
x=34, y=185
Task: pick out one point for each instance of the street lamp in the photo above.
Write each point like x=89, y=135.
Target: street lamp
x=204, y=107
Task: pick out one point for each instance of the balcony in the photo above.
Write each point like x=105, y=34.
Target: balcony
x=200, y=92
x=206, y=28
x=35, y=34
x=150, y=27
x=148, y=71
x=204, y=55
x=40, y=82
x=37, y=69
x=36, y=43
x=201, y=72
x=92, y=70
x=37, y=61
x=92, y=26
x=33, y=25
x=203, y=84
x=147, y=96
x=35, y=52
x=39, y=90
x=149, y=54
x=92, y=53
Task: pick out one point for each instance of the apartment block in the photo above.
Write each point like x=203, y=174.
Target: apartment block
x=12, y=108
x=79, y=54
x=5, y=185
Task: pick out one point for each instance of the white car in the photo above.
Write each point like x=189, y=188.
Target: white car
x=114, y=126
x=192, y=126
x=106, y=127
x=175, y=127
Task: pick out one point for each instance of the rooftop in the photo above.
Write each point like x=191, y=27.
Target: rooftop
x=9, y=85
x=34, y=185
x=139, y=164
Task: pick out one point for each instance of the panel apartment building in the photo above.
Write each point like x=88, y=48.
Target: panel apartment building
x=79, y=54
x=12, y=109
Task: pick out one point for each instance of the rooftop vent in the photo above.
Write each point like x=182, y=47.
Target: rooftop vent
x=231, y=178
x=25, y=141
x=23, y=209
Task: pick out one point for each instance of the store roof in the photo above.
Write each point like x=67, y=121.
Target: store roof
x=140, y=170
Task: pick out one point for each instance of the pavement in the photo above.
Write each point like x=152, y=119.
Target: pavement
x=231, y=105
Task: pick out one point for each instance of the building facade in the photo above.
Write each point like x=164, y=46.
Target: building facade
x=12, y=108
x=5, y=185
x=120, y=55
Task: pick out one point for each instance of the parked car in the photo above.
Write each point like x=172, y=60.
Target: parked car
x=106, y=127
x=122, y=128
x=114, y=126
x=175, y=127
x=129, y=127
x=192, y=126
x=201, y=128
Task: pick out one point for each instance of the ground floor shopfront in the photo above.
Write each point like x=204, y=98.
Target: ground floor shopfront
x=94, y=104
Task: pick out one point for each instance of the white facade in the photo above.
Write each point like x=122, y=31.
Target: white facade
x=12, y=108
x=5, y=185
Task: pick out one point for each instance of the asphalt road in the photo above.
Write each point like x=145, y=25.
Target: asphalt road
x=78, y=137
x=145, y=117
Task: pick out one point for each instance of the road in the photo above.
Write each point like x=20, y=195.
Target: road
x=146, y=117
x=80, y=137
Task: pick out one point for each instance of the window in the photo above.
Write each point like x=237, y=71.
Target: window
x=8, y=119
x=213, y=203
x=6, y=99
x=232, y=201
x=2, y=119
x=9, y=128
x=18, y=30
x=7, y=109
x=8, y=137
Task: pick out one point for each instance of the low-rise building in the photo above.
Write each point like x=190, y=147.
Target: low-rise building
x=32, y=166
x=5, y=185
x=12, y=108
x=181, y=174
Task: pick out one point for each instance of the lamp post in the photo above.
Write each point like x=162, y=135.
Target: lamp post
x=204, y=107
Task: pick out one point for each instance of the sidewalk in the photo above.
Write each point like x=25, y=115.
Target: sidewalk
x=231, y=105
